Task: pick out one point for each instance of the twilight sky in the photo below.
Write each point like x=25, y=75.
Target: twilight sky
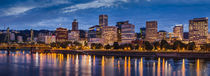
x=50, y=14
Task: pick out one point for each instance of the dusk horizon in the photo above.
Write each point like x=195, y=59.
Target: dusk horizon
x=51, y=14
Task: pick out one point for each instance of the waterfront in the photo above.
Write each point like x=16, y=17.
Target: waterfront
x=22, y=63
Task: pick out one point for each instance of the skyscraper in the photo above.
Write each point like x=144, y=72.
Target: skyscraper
x=94, y=34
x=178, y=32
x=126, y=32
x=119, y=25
x=198, y=30
x=162, y=35
x=109, y=35
x=74, y=34
x=142, y=33
x=75, y=25
x=61, y=34
x=151, y=31
x=103, y=20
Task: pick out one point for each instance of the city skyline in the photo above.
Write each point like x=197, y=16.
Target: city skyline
x=51, y=14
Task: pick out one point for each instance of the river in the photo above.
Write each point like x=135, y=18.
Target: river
x=22, y=63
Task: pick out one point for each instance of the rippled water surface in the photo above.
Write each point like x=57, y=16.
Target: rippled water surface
x=51, y=64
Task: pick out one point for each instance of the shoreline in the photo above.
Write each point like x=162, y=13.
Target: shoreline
x=205, y=55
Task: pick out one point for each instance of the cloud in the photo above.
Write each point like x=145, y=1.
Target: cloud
x=20, y=8
x=93, y=4
x=17, y=10
x=52, y=23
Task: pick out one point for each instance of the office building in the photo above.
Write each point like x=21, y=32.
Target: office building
x=103, y=20
x=109, y=34
x=178, y=31
x=198, y=30
x=61, y=34
x=151, y=31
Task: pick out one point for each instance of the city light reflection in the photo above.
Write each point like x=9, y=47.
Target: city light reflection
x=87, y=65
x=158, y=67
x=198, y=67
x=183, y=67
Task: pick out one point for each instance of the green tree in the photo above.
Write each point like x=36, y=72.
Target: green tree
x=64, y=44
x=99, y=46
x=137, y=47
x=191, y=46
x=107, y=46
x=93, y=46
x=116, y=45
x=164, y=45
x=178, y=45
x=156, y=45
x=148, y=46
x=53, y=44
x=205, y=47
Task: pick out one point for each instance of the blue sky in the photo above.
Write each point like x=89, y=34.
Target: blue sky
x=50, y=14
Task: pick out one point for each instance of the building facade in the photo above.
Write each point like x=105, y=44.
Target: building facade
x=198, y=30
x=61, y=34
x=50, y=39
x=162, y=35
x=75, y=25
x=127, y=32
x=103, y=20
x=20, y=39
x=151, y=31
x=74, y=36
x=95, y=34
x=119, y=28
x=178, y=31
x=142, y=33
x=109, y=34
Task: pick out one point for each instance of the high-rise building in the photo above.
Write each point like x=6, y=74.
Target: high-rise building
x=94, y=34
x=19, y=39
x=198, y=30
x=12, y=36
x=178, y=32
x=75, y=25
x=74, y=34
x=103, y=20
x=126, y=32
x=61, y=34
x=109, y=34
x=162, y=35
x=119, y=25
x=151, y=31
x=142, y=33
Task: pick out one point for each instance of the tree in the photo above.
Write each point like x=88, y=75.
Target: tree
x=93, y=46
x=205, y=47
x=156, y=45
x=164, y=45
x=107, y=46
x=99, y=46
x=178, y=45
x=64, y=44
x=191, y=46
x=116, y=45
x=148, y=46
x=53, y=44
x=137, y=47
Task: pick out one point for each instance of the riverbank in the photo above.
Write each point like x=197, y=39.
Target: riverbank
x=131, y=53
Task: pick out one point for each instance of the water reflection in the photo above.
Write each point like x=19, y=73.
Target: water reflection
x=42, y=64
